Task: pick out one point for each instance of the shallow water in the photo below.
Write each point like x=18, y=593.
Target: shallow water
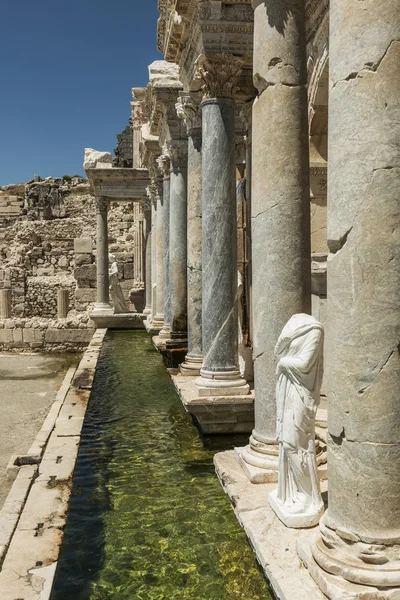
x=148, y=519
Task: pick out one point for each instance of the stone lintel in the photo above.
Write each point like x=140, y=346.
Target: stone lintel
x=119, y=184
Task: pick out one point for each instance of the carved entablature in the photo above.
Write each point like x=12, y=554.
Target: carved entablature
x=219, y=75
x=139, y=107
x=165, y=88
x=189, y=28
x=149, y=145
x=188, y=109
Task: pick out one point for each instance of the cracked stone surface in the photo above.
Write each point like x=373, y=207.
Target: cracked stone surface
x=280, y=194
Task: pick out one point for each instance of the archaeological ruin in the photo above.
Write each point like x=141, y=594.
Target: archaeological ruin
x=249, y=223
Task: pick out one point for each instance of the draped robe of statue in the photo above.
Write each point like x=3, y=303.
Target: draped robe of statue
x=116, y=293
x=297, y=500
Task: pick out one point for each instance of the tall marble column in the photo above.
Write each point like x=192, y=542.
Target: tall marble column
x=357, y=551
x=158, y=320
x=220, y=373
x=178, y=242
x=103, y=298
x=281, y=273
x=190, y=112
x=153, y=255
x=147, y=261
x=164, y=164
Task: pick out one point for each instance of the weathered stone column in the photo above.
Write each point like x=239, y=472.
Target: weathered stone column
x=158, y=320
x=220, y=373
x=147, y=236
x=189, y=111
x=178, y=242
x=357, y=551
x=5, y=303
x=62, y=303
x=164, y=163
x=103, y=300
x=280, y=205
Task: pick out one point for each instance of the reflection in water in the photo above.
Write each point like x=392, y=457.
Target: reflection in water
x=148, y=519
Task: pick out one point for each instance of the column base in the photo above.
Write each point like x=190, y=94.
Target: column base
x=147, y=310
x=192, y=366
x=102, y=309
x=334, y=572
x=165, y=333
x=221, y=383
x=301, y=520
x=259, y=460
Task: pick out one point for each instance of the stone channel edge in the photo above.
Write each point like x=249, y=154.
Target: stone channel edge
x=35, y=511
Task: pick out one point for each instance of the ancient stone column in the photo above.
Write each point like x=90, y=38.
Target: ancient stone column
x=281, y=275
x=164, y=163
x=158, y=320
x=147, y=266
x=178, y=242
x=103, y=301
x=189, y=111
x=153, y=257
x=357, y=552
x=220, y=373
x=62, y=303
x=5, y=303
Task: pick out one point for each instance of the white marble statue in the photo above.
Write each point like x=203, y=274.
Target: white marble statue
x=297, y=501
x=116, y=293
x=245, y=352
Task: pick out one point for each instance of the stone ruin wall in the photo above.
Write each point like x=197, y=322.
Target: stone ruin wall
x=48, y=242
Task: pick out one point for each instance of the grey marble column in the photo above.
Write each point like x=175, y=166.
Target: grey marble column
x=158, y=320
x=189, y=111
x=164, y=166
x=178, y=242
x=147, y=261
x=220, y=373
x=281, y=272
x=357, y=552
x=153, y=258
x=103, y=299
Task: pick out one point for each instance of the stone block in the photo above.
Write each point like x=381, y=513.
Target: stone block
x=59, y=336
x=128, y=271
x=83, y=259
x=17, y=334
x=86, y=272
x=83, y=246
x=6, y=336
x=85, y=295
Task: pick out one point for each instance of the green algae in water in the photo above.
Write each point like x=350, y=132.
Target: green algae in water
x=148, y=519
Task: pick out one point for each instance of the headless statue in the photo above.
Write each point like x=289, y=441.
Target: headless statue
x=116, y=293
x=297, y=501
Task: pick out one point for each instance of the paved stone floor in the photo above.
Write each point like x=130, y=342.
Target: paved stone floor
x=28, y=387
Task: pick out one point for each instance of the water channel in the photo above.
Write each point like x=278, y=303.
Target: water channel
x=148, y=519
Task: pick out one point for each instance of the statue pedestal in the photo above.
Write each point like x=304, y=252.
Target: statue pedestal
x=300, y=520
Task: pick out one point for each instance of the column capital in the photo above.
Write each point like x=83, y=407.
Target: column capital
x=154, y=191
x=102, y=204
x=164, y=162
x=178, y=151
x=219, y=75
x=189, y=111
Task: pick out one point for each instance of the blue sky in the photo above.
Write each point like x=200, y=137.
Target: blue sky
x=66, y=71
